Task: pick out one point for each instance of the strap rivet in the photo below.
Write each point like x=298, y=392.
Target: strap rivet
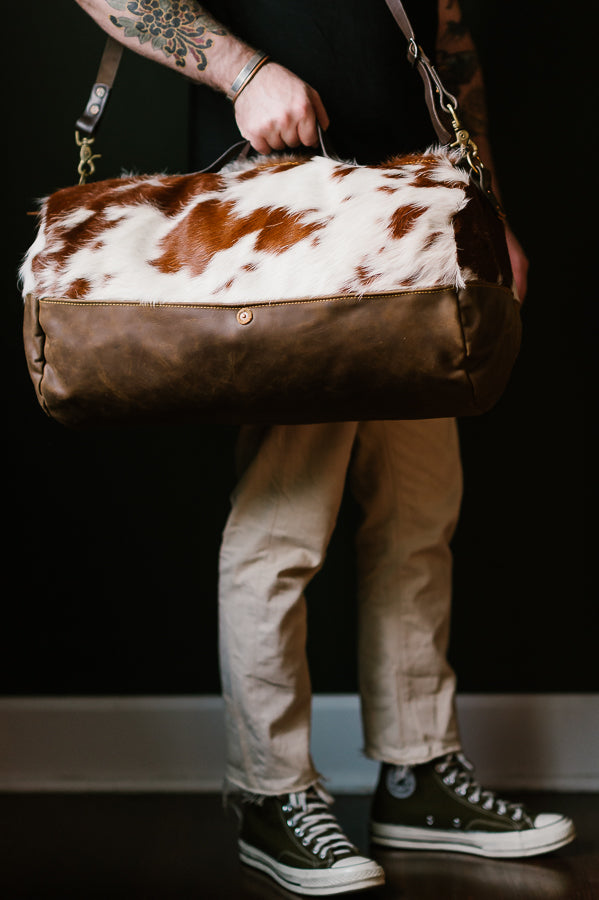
x=245, y=316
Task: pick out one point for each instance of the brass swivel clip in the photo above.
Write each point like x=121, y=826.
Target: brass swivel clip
x=86, y=165
x=469, y=150
x=463, y=141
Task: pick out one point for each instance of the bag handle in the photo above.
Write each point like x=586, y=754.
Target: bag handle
x=441, y=104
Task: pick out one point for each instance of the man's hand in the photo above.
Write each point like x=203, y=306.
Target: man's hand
x=277, y=110
x=519, y=262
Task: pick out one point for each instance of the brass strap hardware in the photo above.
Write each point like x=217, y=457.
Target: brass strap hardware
x=86, y=165
x=469, y=150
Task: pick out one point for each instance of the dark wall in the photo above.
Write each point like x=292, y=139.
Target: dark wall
x=112, y=539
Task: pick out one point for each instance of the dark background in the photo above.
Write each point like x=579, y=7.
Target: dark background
x=111, y=539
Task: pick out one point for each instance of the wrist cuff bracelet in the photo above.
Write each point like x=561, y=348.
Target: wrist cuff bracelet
x=246, y=75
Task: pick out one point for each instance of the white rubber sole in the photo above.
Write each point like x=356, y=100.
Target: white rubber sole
x=316, y=882
x=513, y=844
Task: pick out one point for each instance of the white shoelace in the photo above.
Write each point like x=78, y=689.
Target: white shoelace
x=455, y=770
x=315, y=825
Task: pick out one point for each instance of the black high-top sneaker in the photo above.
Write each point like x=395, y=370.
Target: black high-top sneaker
x=440, y=806
x=296, y=840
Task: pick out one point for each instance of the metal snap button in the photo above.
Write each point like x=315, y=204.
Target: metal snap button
x=245, y=316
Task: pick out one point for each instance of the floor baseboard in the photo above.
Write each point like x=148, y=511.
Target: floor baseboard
x=529, y=741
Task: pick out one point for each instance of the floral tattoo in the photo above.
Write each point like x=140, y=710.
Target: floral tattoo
x=173, y=26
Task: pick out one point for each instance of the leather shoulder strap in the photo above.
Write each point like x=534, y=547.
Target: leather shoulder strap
x=435, y=94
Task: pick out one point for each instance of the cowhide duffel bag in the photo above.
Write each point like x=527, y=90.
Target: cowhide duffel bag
x=280, y=289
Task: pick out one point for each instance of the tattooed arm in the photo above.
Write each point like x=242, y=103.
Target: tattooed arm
x=460, y=71
x=275, y=110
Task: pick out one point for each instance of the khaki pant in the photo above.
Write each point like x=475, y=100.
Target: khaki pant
x=407, y=478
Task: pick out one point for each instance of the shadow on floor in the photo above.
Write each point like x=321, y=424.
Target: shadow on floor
x=182, y=847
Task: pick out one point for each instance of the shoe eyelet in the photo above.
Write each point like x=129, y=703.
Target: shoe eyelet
x=457, y=822
x=430, y=820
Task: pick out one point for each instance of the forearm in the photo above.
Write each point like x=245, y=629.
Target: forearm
x=183, y=36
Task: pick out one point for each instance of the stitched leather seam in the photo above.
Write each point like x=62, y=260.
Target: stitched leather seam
x=383, y=295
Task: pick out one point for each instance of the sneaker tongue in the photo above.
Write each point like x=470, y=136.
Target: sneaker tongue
x=464, y=761
x=313, y=794
x=318, y=791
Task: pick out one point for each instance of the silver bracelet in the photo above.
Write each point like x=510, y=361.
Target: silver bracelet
x=246, y=75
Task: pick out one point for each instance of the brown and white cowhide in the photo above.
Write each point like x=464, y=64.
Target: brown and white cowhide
x=281, y=229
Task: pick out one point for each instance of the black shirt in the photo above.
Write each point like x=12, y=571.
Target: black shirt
x=352, y=52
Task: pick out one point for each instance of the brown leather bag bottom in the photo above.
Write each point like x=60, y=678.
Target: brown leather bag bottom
x=420, y=354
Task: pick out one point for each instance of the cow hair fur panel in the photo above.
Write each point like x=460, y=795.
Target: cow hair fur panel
x=257, y=231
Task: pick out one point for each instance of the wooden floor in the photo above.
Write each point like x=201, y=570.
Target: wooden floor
x=182, y=847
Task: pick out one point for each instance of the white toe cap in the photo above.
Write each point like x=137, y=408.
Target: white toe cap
x=546, y=820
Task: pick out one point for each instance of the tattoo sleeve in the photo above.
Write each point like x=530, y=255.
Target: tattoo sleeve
x=180, y=30
x=459, y=68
